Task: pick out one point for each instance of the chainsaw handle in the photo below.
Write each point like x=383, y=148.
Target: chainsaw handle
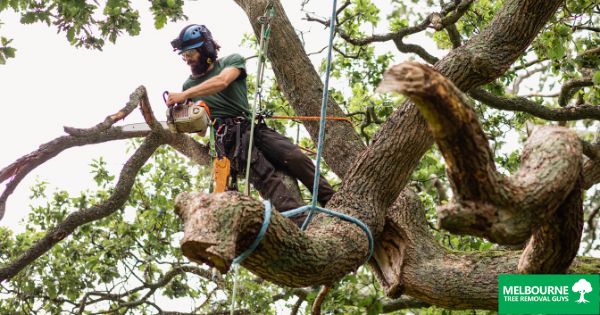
x=165, y=95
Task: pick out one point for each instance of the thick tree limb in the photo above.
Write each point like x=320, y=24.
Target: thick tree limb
x=218, y=227
x=501, y=209
x=543, y=197
x=523, y=104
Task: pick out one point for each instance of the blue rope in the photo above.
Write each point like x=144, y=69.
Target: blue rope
x=238, y=260
x=313, y=207
x=340, y=215
x=322, y=120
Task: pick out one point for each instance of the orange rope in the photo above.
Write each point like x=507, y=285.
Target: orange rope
x=311, y=118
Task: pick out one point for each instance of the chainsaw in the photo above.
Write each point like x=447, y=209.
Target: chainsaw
x=186, y=117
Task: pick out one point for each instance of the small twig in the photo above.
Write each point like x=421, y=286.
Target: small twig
x=527, y=65
x=316, y=307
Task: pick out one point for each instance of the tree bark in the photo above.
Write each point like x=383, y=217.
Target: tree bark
x=219, y=227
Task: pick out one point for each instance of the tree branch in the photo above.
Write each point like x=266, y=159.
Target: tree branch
x=16, y=171
x=408, y=260
x=402, y=303
x=522, y=104
x=316, y=307
x=134, y=100
x=570, y=88
x=151, y=287
x=83, y=216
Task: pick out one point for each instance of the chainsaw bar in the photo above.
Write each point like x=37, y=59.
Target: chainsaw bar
x=142, y=126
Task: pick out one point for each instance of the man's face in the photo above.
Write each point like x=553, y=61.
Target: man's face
x=191, y=57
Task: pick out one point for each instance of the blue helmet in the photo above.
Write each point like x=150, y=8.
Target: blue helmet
x=190, y=37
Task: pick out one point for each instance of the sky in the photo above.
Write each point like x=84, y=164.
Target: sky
x=51, y=84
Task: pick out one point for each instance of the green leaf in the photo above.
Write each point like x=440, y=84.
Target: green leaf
x=28, y=18
x=9, y=52
x=596, y=78
x=71, y=35
x=160, y=21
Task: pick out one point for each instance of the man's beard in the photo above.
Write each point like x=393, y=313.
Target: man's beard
x=200, y=68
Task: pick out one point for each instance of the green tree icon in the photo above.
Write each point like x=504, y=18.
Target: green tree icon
x=582, y=287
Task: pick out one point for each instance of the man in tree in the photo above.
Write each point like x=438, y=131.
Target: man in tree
x=221, y=83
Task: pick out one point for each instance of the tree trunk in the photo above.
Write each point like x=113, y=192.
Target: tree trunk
x=302, y=85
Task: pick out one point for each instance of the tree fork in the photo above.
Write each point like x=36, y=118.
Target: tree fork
x=501, y=209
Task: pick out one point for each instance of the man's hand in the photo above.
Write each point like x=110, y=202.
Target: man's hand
x=175, y=98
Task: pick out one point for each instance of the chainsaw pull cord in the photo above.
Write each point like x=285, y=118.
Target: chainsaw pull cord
x=265, y=32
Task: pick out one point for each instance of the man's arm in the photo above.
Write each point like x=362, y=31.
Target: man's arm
x=211, y=86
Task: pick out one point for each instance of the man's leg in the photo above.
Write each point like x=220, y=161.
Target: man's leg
x=285, y=155
x=270, y=184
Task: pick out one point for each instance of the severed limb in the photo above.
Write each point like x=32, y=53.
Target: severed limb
x=219, y=227
x=542, y=199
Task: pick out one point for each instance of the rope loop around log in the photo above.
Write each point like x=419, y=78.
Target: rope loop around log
x=342, y=216
x=267, y=220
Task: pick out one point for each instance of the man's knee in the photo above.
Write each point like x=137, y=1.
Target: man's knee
x=294, y=156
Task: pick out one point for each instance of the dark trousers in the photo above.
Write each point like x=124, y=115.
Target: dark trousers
x=272, y=152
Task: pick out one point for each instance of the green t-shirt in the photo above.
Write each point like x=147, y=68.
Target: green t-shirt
x=233, y=100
